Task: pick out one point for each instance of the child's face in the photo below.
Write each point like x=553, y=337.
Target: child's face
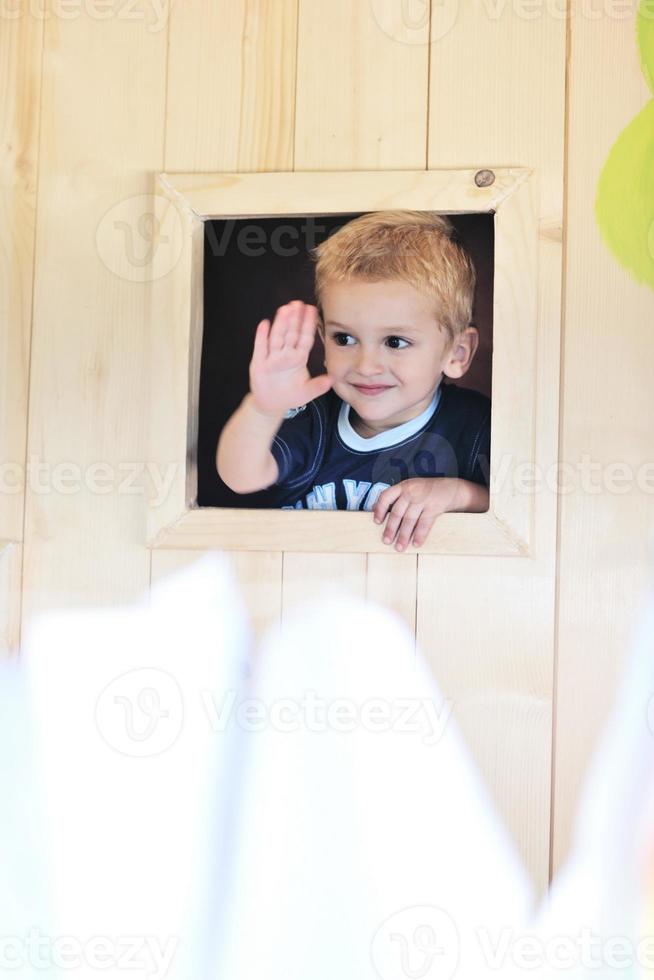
x=385, y=333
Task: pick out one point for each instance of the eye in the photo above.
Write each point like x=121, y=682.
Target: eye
x=337, y=339
x=402, y=341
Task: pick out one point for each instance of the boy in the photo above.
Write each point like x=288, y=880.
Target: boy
x=378, y=431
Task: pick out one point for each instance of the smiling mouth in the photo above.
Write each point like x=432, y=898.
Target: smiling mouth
x=372, y=389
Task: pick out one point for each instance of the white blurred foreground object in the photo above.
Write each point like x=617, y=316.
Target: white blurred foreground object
x=368, y=847
x=598, y=921
x=322, y=820
x=137, y=782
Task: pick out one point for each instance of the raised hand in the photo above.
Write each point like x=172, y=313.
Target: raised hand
x=279, y=377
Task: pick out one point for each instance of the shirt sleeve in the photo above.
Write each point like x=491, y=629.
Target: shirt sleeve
x=297, y=445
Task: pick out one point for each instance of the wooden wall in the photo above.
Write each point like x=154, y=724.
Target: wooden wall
x=529, y=649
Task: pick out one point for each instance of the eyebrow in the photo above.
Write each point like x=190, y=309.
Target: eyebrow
x=343, y=326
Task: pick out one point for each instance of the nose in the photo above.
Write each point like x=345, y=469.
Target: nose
x=369, y=363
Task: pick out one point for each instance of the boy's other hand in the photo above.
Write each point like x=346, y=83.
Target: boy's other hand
x=279, y=378
x=413, y=506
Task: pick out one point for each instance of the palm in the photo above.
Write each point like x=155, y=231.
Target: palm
x=279, y=378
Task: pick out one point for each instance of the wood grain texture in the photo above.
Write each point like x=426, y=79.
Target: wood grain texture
x=21, y=43
x=361, y=104
x=11, y=563
x=101, y=136
x=231, y=85
x=265, y=194
x=361, y=97
x=606, y=544
x=348, y=532
x=487, y=625
x=307, y=577
x=391, y=582
x=230, y=106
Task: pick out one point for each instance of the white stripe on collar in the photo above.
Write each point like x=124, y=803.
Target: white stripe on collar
x=390, y=437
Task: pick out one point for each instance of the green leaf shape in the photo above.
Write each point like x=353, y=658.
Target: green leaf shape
x=645, y=33
x=624, y=206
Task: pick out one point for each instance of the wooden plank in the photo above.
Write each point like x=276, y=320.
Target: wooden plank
x=100, y=140
x=269, y=194
x=354, y=532
x=11, y=561
x=361, y=105
x=231, y=85
x=21, y=43
x=391, y=581
x=308, y=577
x=230, y=106
x=361, y=95
x=496, y=662
x=608, y=405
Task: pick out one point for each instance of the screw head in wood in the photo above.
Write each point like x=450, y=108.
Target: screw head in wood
x=484, y=178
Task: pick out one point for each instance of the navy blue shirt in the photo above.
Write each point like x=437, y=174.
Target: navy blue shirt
x=325, y=465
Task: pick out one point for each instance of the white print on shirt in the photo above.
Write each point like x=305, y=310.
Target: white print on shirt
x=323, y=496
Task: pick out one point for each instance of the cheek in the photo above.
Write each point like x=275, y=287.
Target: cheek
x=334, y=361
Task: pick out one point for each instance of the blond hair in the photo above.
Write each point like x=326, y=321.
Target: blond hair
x=416, y=247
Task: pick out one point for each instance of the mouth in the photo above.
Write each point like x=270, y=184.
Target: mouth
x=372, y=389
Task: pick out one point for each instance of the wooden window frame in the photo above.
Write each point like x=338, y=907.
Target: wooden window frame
x=185, y=201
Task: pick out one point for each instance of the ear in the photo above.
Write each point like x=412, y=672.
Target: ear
x=463, y=349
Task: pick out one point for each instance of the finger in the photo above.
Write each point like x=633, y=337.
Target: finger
x=422, y=529
x=279, y=328
x=406, y=530
x=293, y=328
x=308, y=328
x=384, y=501
x=260, y=350
x=394, y=520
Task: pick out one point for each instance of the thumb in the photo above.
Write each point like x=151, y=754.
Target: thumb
x=318, y=386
